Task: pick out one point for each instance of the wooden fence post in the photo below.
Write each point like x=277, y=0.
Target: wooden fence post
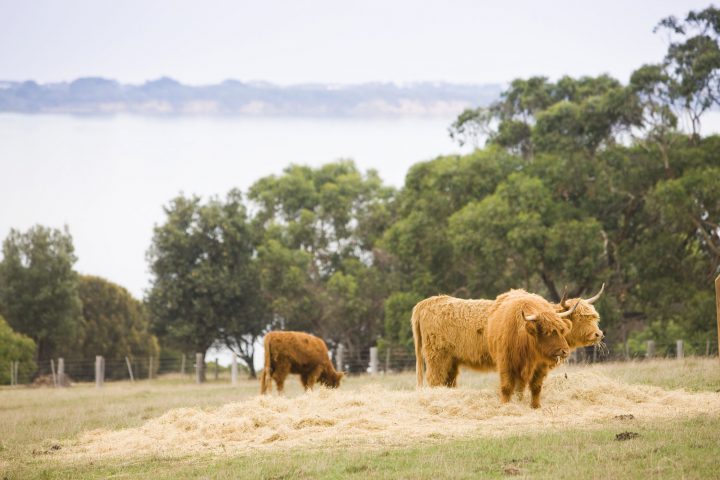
x=387, y=360
x=650, y=353
x=233, y=370
x=61, y=372
x=182, y=366
x=199, y=368
x=680, y=353
x=150, y=368
x=99, y=371
x=373, y=361
x=54, y=375
x=132, y=377
x=217, y=368
x=12, y=373
x=339, y=360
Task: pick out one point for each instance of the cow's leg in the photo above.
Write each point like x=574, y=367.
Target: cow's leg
x=507, y=385
x=280, y=373
x=536, y=383
x=304, y=381
x=266, y=381
x=438, y=369
x=520, y=389
x=312, y=377
x=452, y=375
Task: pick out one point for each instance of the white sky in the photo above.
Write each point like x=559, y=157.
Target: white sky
x=286, y=42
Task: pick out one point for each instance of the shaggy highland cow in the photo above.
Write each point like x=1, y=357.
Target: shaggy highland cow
x=450, y=332
x=300, y=353
x=526, y=338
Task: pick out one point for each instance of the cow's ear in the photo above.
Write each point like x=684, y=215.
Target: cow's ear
x=532, y=328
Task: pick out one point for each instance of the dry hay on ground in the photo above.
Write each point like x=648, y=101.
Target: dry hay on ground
x=373, y=416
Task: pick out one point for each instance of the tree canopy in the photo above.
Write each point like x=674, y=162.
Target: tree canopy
x=116, y=324
x=15, y=347
x=39, y=290
x=205, y=287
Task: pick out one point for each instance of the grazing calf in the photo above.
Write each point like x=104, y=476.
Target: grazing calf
x=299, y=353
x=526, y=338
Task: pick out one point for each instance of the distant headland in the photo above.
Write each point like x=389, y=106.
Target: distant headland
x=166, y=96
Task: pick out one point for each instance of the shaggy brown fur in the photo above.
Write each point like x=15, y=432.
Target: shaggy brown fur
x=524, y=351
x=300, y=353
x=585, y=319
x=449, y=332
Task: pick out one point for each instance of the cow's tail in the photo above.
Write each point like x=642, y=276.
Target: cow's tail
x=417, y=338
x=266, y=378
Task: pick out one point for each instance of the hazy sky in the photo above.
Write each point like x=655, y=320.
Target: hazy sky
x=328, y=40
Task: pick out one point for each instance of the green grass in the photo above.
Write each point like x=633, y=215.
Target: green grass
x=693, y=374
x=32, y=420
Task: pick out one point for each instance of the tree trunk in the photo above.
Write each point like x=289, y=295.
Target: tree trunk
x=203, y=350
x=249, y=361
x=550, y=284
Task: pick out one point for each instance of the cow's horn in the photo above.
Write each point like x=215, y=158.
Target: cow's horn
x=564, y=298
x=592, y=300
x=569, y=312
x=529, y=318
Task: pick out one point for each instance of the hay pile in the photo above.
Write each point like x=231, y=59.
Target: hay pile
x=375, y=416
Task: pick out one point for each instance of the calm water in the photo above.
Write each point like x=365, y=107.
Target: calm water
x=107, y=178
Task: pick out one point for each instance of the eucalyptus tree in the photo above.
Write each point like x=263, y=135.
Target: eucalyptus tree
x=39, y=290
x=116, y=324
x=318, y=264
x=204, y=281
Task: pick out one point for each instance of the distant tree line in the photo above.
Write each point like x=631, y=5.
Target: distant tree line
x=579, y=181
x=56, y=312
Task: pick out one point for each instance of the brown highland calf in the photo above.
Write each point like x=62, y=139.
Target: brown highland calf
x=300, y=353
x=450, y=332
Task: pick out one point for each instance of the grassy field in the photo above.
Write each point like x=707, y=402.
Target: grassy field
x=36, y=422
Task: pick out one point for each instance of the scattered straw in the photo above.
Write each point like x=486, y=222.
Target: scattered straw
x=373, y=416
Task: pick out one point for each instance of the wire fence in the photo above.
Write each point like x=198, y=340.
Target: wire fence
x=62, y=372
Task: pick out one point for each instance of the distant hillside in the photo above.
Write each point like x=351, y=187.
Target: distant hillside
x=166, y=96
